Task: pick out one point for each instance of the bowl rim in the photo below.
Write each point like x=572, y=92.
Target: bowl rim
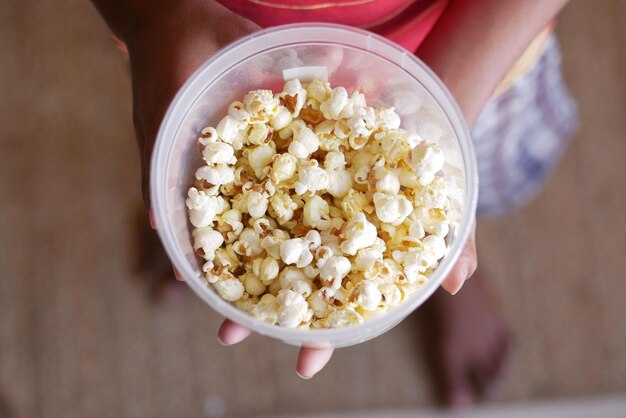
x=180, y=106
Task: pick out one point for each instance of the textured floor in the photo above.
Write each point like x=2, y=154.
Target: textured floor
x=79, y=338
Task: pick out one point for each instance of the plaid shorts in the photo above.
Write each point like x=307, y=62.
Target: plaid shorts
x=521, y=134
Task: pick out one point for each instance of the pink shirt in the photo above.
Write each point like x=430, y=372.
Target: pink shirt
x=406, y=22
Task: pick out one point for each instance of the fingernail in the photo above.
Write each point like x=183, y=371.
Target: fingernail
x=303, y=376
x=151, y=217
x=219, y=340
x=461, y=283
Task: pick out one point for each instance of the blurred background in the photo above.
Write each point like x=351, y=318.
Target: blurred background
x=80, y=337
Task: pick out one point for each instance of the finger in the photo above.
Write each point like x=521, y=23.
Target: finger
x=178, y=276
x=464, y=267
x=232, y=333
x=151, y=217
x=312, y=360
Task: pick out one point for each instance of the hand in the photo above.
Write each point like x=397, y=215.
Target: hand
x=464, y=267
x=162, y=58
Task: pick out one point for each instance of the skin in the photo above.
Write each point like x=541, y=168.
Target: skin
x=470, y=49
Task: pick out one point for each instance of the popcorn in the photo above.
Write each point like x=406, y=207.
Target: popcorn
x=253, y=284
x=343, y=318
x=432, y=195
x=251, y=202
x=294, y=279
x=206, y=241
x=314, y=210
x=248, y=244
x=392, y=209
x=237, y=111
x=334, y=270
x=292, y=308
x=304, y=143
x=368, y=295
x=298, y=250
x=284, y=168
x=229, y=289
x=213, y=177
x=358, y=234
x=427, y=160
x=261, y=104
x=228, y=129
x=260, y=158
x=283, y=206
x=311, y=178
x=293, y=96
x=282, y=119
x=266, y=269
x=203, y=208
x=267, y=309
x=316, y=213
x=218, y=153
x=229, y=223
x=338, y=105
x=391, y=294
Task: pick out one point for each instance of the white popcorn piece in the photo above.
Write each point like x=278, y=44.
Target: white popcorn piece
x=394, y=146
x=325, y=131
x=392, y=209
x=271, y=244
x=293, y=278
x=317, y=213
x=434, y=221
x=229, y=223
x=208, y=136
x=334, y=270
x=298, y=250
x=432, y=195
x=260, y=158
x=203, y=208
x=362, y=124
x=304, y=143
x=218, y=153
x=340, y=180
x=387, y=180
x=427, y=160
x=320, y=304
x=267, y=309
x=282, y=119
x=248, y=244
x=228, y=128
x=318, y=90
x=387, y=119
x=259, y=134
x=206, y=241
x=229, y=289
x=435, y=245
x=292, y=308
x=236, y=110
x=311, y=178
x=391, y=294
x=252, y=284
x=343, y=318
x=251, y=202
x=224, y=257
x=368, y=295
x=216, y=176
x=261, y=104
x=359, y=233
x=284, y=168
x=338, y=105
x=266, y=269
x=283, y=206
x=354, y=202
x=293, y=96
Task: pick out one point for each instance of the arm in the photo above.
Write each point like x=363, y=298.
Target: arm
x=471, y=48
x=475, y=43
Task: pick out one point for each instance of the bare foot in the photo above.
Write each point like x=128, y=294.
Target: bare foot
x=470, y=343
x=153, y=265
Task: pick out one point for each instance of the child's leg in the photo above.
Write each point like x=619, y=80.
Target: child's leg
x=519, y=138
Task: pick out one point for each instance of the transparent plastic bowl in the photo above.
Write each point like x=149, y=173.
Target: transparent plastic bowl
x=387, y=74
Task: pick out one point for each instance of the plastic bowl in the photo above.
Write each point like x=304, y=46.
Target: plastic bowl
x=387, y=74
